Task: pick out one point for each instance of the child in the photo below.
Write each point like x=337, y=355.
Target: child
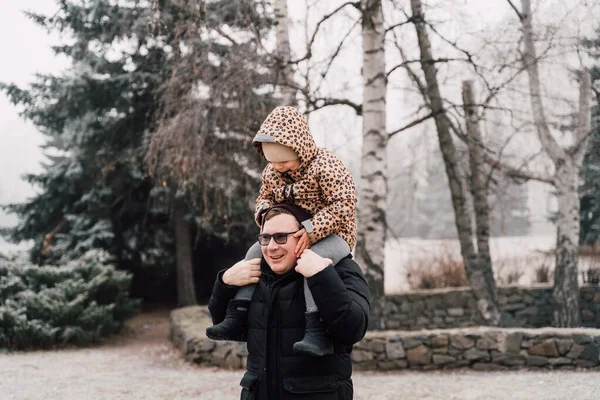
x=314, y=179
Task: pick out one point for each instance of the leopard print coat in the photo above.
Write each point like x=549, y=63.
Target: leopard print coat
x=321, y=185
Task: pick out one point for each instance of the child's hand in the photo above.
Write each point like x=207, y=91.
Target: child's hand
x=303, y=242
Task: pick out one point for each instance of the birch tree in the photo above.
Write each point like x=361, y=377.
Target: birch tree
x=372, y=197
x=284, y=71
x=477, y=266
x=567, y=163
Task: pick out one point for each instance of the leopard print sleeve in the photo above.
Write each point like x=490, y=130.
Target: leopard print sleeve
x=339, y=192
x=266, y=197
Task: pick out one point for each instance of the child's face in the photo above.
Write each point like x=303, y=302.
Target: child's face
x=286, y=166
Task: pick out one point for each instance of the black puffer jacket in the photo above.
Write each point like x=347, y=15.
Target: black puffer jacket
x=276, y=322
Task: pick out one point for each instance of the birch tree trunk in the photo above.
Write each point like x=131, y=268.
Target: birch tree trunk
x=479, y=188
x=566, y=180
x=476, y=274
x=566, y=286
x=186, y=291
x=284, y=53
x=372, y=197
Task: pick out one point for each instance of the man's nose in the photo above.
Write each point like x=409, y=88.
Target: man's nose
x=272, y=244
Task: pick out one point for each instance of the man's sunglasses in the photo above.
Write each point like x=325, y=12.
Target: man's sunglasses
x=280, y=237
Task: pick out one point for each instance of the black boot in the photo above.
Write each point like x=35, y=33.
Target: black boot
x=235, y=325
x=316, y=340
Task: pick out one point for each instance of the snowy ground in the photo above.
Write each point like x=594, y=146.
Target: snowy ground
x=524, y=253
x=142, y=364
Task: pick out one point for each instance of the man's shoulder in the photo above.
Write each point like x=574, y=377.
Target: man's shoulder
x=348, y=264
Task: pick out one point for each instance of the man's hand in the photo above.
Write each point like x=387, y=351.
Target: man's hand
x=243, y=273
x=303, y=242
x=311, y=263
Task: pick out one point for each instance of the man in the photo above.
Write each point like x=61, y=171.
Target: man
x=276, y=317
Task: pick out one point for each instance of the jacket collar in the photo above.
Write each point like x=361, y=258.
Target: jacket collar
x=266, y=270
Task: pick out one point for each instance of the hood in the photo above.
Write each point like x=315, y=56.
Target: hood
x=286, y=126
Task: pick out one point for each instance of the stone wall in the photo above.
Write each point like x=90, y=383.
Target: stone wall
x=474, y=348
x=522, y=307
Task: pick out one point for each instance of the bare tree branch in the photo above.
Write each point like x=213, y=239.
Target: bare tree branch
x=336, y=53
x=392, y=27
x=516, y=9
x=436, y=61
x=314, y=35
x=411, y=124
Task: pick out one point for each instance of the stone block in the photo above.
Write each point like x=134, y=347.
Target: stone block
x=528, y=312
x=581, y=339
x=564, y=345
x=205, y=346
x=487, y=342
x=394, y=350
x=377, y=345
x=590, y=353
x=386, y=365
x=576, y=351
x=221, y=352
x=513, y=306
x=455, y=312
x=361, y=356
x=458, y=364
x=412, y=342
x=547, y=348
x=418, y=356
x=440, y=359
x=439, y=313
x=474, y=354
x=560, y=361
x=438, y=341
x=232, y=361
x=588, y=315
x=510, y=343
x=536, y=361
x=511, y=360
x=461, y=342
x=585, y=363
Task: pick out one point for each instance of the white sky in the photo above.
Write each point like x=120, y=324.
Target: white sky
x=26, y=50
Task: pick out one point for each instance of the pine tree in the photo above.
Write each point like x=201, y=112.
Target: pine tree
x=590, y=171
x=94, y=193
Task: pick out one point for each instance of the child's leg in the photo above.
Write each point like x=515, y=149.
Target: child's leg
x=246, y=292
x=235, y=324
x=316, y=341
x=333, y=247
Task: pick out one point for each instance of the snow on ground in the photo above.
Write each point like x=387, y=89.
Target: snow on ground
x=524, y=253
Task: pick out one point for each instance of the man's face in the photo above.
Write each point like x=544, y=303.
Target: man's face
x=280, y=257
x=286, y=166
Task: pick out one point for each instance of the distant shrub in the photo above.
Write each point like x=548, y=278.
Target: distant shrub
x=440, y=270
x=542, y=273
x=78, y=303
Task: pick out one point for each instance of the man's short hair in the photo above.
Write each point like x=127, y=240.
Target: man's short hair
x=275, y=211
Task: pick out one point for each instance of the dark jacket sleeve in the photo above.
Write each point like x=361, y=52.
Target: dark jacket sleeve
x=342, y=295
x=221, y=294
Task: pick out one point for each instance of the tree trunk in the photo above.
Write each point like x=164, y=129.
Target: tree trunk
x=567, y=165
x=479, y=187
x=284, y=53
x=566, y=286
x=371, y=233
x=186, y=291
x=476, y=275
